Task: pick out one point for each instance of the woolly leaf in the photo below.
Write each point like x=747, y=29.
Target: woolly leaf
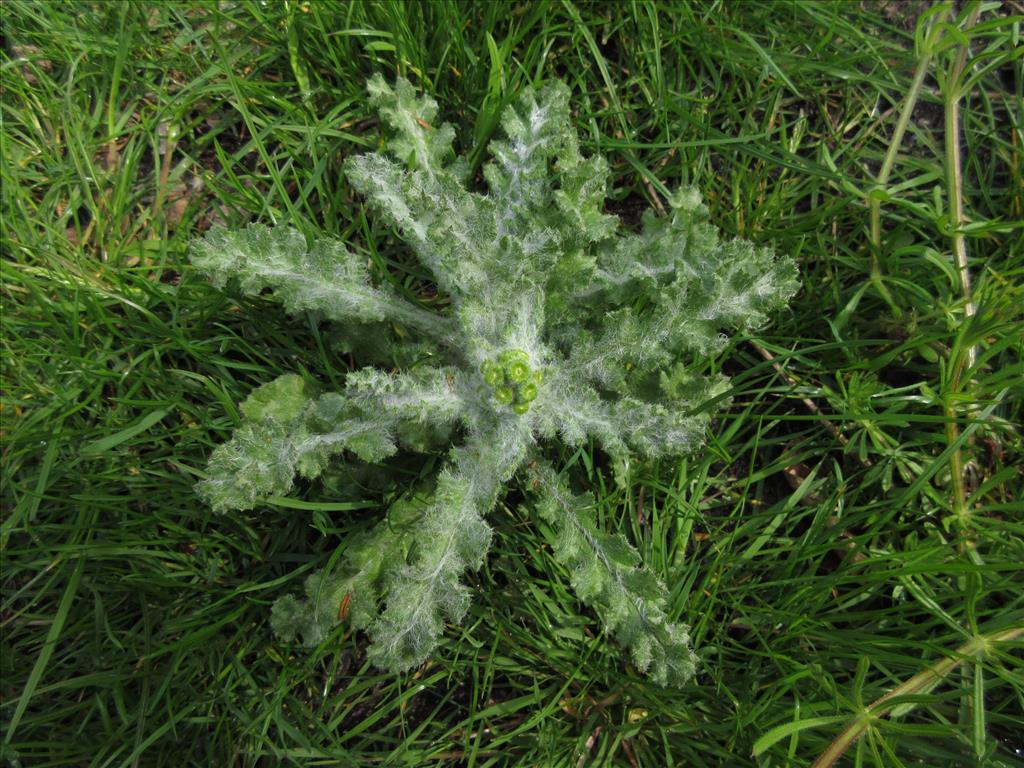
x=451, y=537
x=323, y=275
x=418, y=142
x=604, y=571
x=282, y=400
x=263, y=457
x=350, y=594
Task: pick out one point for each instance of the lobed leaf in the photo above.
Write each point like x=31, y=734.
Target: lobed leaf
x=450, y=538
x=322, y=276
x=606, y=573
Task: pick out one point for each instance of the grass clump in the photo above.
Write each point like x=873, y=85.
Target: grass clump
x=853, y=529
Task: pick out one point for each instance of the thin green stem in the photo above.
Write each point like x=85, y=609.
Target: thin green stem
x=922, y=682
x=954, y=179
x=954, y=192
x=874, y=202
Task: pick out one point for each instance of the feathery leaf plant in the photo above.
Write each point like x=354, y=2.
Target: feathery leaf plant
x=560, y=326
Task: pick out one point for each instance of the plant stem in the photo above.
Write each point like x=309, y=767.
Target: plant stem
x=954, y=180
x=954, y=192
x=875, y=203
x=922, y=682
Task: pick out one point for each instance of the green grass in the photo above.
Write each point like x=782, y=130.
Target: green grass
x=855, y=520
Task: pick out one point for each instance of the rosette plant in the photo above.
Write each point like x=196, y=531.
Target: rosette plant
x=558, y=325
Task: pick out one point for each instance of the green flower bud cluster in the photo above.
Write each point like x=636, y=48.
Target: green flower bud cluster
x=512, y=380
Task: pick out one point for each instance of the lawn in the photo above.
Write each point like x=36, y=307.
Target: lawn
x=848, y=547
